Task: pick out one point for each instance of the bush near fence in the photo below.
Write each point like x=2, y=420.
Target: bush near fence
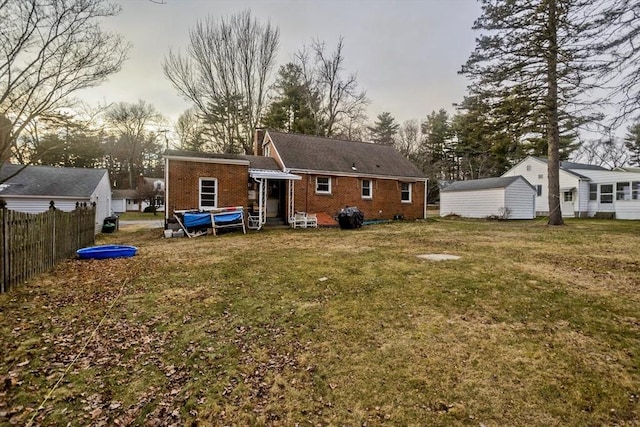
x=34, y=243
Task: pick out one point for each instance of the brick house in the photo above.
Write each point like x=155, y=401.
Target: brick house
x=293, y=172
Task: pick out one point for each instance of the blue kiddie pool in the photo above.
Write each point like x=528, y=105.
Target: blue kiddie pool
x=107, y=251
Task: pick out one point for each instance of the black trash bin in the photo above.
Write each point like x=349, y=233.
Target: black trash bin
x=350, y=217
x=110, y=224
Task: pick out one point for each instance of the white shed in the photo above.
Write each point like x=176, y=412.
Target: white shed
x=34, y=187
x=506, y=197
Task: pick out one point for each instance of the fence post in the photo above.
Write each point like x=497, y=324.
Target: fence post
x=52, y=208
x=5, y=247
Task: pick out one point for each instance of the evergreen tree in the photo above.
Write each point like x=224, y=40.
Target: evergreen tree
x=536, y=54
x=290, y=110
x=482, y=150
x=632, y=142
x=384, y=129
x=438, y=147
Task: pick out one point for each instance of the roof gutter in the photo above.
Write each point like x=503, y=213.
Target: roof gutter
x=359, y=175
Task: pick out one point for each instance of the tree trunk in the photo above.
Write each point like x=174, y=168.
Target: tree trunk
x=553, y=132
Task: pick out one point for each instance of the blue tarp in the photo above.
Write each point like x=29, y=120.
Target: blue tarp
x=202, y=220
x=227, y=217
x=197, y=220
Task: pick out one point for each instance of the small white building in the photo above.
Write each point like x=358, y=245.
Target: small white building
x=507, y=197
x=35, y=187
x=129, y=200
x=585, y=190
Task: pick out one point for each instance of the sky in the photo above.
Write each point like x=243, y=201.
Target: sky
x=406, y=53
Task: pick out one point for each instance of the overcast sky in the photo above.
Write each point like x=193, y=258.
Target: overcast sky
x=406, y=53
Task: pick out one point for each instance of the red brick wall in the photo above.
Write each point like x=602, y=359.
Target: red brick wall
x=346, y=191
x=184, y=182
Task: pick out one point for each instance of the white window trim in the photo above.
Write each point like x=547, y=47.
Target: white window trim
x=370, y=187
x=612, y=194
x=323, y=192
x=410, y=192
x=200, y=193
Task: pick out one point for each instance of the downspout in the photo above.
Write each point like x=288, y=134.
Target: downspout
x=261, y=212
x=426, y=181
x=166, y=193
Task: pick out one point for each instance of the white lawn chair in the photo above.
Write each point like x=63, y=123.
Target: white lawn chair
x=312, y=220
x=299, y=220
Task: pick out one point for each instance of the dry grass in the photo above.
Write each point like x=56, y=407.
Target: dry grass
x=533, y=326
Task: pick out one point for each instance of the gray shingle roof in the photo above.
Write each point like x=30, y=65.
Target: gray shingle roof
x=256, y=162
x=50, y=181
x=313, y=153
x=569, y=166
x=124, y=194
x=481, y=184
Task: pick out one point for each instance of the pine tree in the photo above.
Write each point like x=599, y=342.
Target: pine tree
x=536, y=54
x=290, y=110
x=384, y=129
x=632, y=142
x=438, y=150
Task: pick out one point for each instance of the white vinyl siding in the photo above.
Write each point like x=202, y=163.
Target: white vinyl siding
x=518, y=198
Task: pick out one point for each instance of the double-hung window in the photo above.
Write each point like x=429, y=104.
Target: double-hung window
x=405, y=192
x=538, y=190
x=635, y=190
x=593, y=191
x=323, y=185
x=623, y=191
x=208, y=193
x=366, y=189
x=606, y=193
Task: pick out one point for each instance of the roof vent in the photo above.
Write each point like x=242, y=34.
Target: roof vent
x=353, y=167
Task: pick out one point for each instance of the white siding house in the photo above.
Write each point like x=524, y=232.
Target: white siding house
x=508, y=197
x=129, y=200
x=35, y=187
x=585, y=190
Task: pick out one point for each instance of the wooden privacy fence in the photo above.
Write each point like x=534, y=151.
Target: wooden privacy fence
x=34, y=243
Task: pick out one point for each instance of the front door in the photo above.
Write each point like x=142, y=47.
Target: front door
x=276, y=198
x=567, y=205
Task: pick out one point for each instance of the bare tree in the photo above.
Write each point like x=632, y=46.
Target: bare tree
x=333, y=97
x=50, y=49
x=618, y=36
x=409, y=137
x=131, y=123
x=191, y=131
x=609, y=152
x=224, y=73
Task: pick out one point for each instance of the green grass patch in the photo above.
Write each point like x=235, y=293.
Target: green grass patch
x=532, y=326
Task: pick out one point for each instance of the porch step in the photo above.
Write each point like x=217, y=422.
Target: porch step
x=272, y=222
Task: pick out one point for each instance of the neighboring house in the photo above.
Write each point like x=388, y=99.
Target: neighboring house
x=124, y=201
x=507, y=197
x=585, y=190
x=129, y=200
x=35, y=187
x=293, y=172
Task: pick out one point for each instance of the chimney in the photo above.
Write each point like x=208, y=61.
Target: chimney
x=257, y=142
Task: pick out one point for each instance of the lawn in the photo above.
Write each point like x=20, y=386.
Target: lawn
x=532, y=326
